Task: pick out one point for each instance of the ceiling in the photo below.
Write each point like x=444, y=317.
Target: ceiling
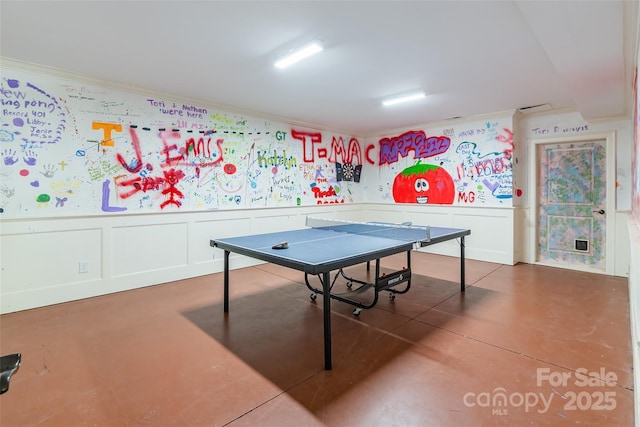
x=472, y=58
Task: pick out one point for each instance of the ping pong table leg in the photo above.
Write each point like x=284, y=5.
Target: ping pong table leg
x=326, y=300
x=462, y=284
x=226, y=281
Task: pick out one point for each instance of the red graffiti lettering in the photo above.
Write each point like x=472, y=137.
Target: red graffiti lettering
x=507, y=139
x=355, y=156
x=491, y=167
x=466, y=197
x=219, y=157
x=200, y=148
x=151, y=183
x=340, y=155
x=192, y=153
x=329, y=202
x=136, y=164
x=133, y=182
x=337, y=149
x=168, y=148
x=367, y=151
x=318, y=193
x=144, y=184
x=309, y=139
x=174, y=156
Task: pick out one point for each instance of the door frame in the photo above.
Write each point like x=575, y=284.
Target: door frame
x=610, y=191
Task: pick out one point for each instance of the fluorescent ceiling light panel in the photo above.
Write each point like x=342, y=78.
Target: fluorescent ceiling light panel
x=408, y=97
x=299, y=54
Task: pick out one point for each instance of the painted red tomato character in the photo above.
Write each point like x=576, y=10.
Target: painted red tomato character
x=422, y=183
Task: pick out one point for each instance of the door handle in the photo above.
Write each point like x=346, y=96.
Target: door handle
x=601, y=212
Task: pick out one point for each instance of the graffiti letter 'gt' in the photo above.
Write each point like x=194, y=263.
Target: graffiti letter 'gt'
x=422, y=183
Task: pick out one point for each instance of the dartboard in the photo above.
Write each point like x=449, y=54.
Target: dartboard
x=347, y=171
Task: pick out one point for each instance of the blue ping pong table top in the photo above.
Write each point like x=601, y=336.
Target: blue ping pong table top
x=317, y=250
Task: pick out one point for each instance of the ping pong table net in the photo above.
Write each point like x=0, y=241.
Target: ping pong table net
x=398, y=231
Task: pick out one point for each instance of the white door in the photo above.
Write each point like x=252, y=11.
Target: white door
x=572, y=204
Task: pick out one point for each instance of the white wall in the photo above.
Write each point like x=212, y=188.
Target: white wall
x=97, y=148
x=492, y=229
x=634, y=297
x=133, y=251
x=41, y=258
x=633, y=230
x=568, y=124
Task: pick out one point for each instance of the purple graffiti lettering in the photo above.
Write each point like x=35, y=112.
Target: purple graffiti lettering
x=491, y=185
x=105, y=199
x=416, y=141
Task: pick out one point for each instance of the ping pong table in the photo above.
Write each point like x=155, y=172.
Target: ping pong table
x=329, y=245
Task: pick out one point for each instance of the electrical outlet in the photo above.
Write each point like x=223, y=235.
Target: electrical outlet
x=83, y=267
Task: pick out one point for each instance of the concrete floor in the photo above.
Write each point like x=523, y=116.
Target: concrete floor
x=524, y=345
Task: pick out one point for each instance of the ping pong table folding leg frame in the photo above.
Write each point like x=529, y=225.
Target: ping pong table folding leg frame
x=384, y=282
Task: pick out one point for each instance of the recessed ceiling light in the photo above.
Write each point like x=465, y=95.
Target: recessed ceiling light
x=407, y=97
x=299, y=54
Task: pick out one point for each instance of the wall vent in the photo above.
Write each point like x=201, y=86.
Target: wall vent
x=582, y=245
x=535, y=108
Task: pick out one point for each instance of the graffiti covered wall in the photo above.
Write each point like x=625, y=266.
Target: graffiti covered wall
x=69, y=148
x=464, y=164
x=635, y=169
